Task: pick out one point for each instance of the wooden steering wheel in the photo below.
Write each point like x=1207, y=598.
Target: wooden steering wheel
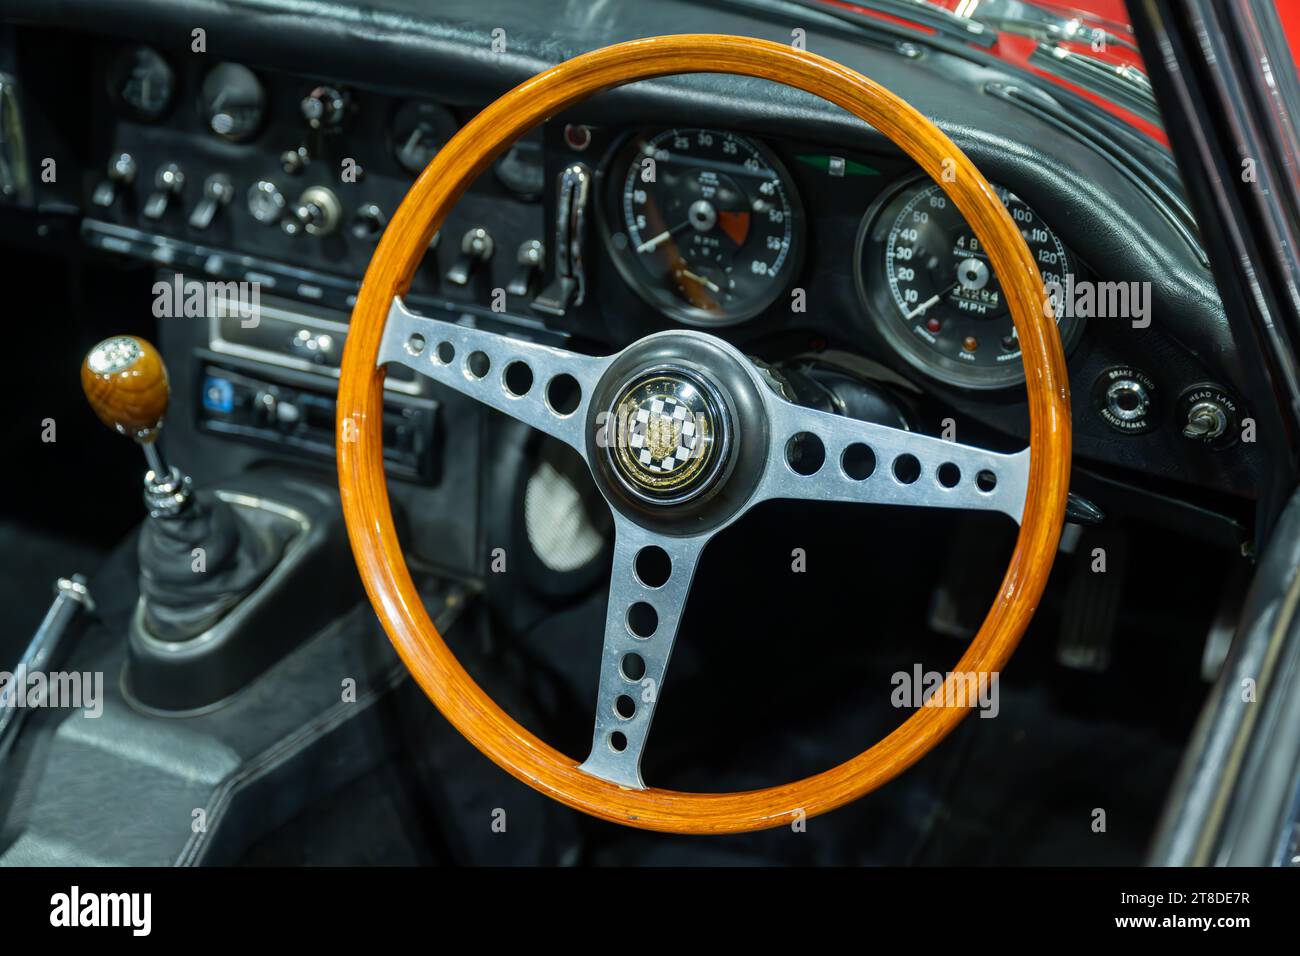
x=689, y=392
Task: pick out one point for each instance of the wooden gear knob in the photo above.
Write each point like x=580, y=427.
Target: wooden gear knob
x=125, y=382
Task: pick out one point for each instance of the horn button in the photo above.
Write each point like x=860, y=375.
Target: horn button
x=679, y=431
x=668, y=435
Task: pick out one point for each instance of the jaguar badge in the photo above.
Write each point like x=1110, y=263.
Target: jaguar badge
x=667, y=435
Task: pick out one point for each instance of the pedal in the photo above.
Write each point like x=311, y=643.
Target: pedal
x=961, y=601
x=1090, y=609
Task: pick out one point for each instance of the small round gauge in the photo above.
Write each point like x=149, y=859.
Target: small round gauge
x=419, y=129
x=927, y=280
x=704, y=225
x=232, y=102
x=143, y=82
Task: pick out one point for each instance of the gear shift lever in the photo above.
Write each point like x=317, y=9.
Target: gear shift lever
x=125, y=382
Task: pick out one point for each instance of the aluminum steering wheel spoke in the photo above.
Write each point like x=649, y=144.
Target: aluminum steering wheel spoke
x=678, y=462
x=648, y=589
x=866, y=462
x=553, y=394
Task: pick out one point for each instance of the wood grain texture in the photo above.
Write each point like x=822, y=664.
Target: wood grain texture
x=133, y=400
x=365, y=496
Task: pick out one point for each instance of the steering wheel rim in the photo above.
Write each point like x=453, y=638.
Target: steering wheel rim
x=364, y=492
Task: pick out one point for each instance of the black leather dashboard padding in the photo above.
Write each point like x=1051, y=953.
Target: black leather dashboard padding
x=419, y=47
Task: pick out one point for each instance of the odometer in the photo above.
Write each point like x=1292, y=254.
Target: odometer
x=704, y=225
x=928, y=280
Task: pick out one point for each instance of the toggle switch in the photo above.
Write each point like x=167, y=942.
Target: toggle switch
x=121, y=174
x=217, y=192
x=530, y=257
x=168, y=182
x=1209, y=415
x=475, y=249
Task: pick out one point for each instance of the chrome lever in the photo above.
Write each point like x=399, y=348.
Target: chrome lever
x=71, y=599
x=569, y=286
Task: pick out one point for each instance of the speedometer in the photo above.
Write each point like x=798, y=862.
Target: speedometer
x=704, y=225
x=927, y=279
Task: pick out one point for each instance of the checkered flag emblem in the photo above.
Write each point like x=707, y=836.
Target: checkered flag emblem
x=663, y=435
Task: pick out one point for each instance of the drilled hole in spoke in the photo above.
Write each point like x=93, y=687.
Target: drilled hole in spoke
x=948, y=474
x=858, y=461
x=563, y=394
x=653, y=566
x=805, y=454
x=632, y=666
x=415, y=344
x=477, y=364
x=618, y=741
x=907, y=469
x=445, y=353
x=986, y=481
x=518, y=379
x=624, y=706
x=642, y=620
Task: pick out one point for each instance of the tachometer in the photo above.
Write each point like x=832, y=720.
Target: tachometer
x=928, y=281
x=704, y=225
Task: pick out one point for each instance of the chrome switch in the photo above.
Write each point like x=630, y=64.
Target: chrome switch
x=168, y=182
x=476, y=248
x=121, y=174
x=217, y=192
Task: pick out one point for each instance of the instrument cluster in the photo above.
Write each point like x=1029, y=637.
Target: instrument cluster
x=708, y=228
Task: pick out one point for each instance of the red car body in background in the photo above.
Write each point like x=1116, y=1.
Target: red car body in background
x=1111, y=15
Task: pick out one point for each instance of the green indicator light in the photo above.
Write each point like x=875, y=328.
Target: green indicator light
x=850, y=167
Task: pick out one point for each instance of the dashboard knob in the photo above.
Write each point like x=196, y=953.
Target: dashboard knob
x=368, y=222
x=294, y=161
x=324, y=107
x=265, y=202
x=317, y=212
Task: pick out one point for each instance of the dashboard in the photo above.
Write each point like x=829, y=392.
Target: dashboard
x=738, y=207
